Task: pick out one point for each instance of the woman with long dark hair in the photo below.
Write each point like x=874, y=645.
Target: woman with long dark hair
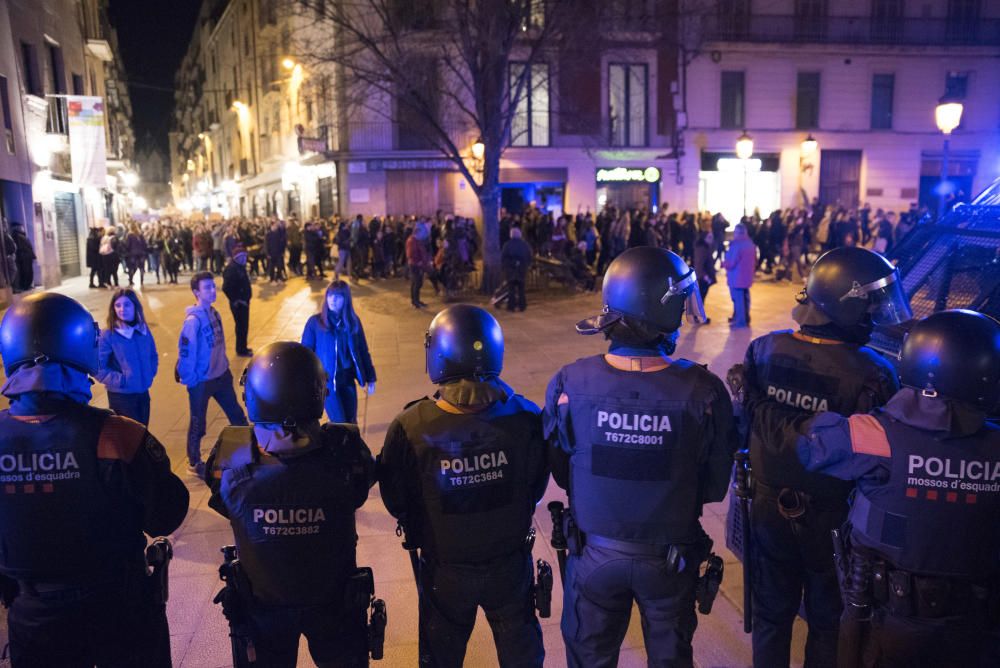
x=336, y=336
x=127, y=358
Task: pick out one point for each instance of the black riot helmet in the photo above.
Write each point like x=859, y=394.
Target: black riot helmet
x=847, y=284
x=463, y=341
x=651, y=285
x=284, y=384
x=954, y=354
x=48, y=327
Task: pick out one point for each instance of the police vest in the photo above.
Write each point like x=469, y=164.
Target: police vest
x=639, y=444
x=59, y=521
x=475, y=474
x=811, y=378
x=292, y=516
x=937, y=512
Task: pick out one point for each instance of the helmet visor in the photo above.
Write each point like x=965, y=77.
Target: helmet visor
x=687, y=288
x=887, y=303
x=694, y=307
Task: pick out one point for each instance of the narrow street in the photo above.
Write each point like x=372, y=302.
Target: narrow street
x=538, y=342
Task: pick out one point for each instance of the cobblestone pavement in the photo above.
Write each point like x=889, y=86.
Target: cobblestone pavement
x=538, y=342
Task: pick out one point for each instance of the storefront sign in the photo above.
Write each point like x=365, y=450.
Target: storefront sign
x=419, y=164
x=628, y=174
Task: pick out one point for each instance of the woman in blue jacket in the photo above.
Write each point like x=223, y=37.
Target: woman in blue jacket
x=127, y=358
x=336, y=336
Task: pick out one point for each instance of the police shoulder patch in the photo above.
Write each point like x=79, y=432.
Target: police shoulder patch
x=121, y=438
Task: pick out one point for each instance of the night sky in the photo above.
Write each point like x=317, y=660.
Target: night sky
x=153, y=37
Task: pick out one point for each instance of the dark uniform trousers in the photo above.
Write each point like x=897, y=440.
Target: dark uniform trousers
x=792, y=556
x=450, y=595
x=110, y=625
x=337, y=636
x=241, y=318
x=949, y=642
x=600, y=586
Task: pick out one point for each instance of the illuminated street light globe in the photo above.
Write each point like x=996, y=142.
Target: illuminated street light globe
x=809, y=145
x=130, y=179
x=478, y=149
x=948, y=114
x=288, y=63
x=744, y=146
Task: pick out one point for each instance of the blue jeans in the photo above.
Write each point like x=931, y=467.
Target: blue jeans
x=220, y=389
x=132, y=405
x=741, y=306
x=342, y=401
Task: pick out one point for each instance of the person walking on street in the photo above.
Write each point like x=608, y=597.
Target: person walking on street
x=420, y=262
x=740, y=263
x=275, y=242
x=303, y=575
x=202, y=366
x=336, y=336
x=109, y=256
x=515, y=258
x=236, y=286
x=94, y=257
x=472, y=530
x=24, y=258
x=127, y=360
x=704, y=264
x=135, y=255
x=89, y=486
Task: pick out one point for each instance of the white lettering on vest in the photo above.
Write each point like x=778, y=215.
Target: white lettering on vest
x=798, y=400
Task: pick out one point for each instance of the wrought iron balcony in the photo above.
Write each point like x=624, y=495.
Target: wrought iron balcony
x=763, y=28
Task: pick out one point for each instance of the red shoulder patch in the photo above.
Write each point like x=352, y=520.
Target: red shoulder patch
x=120, y=438
x=868, y=437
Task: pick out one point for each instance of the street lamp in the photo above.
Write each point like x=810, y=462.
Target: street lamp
x=744, y=149
x=478, y=149
x=809, y=146
x=288, y=63
x=948, y=116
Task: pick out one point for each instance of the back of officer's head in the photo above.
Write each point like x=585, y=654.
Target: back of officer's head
x=645, y=291
x=284, y=384
x=463, y=341
x=48, y=327
x=954, y=355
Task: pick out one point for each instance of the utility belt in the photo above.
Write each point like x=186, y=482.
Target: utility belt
x=150, y=575
x=677, y=557
x=794, y=504
x=906, y=594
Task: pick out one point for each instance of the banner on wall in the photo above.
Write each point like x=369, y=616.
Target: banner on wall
x=86, y=141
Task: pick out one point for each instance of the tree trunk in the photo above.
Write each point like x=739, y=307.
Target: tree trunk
x=489, y=201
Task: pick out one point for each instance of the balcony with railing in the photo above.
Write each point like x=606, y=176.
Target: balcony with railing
x=57, y=122
x=386, y=136
x=765, y=28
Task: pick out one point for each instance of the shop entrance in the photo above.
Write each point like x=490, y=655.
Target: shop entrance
x=730, y=186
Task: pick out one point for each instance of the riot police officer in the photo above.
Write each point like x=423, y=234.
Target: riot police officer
x=80, y=488
x=462, y=473
x=289, y=488
x=923, y=562
x=640, y=441
x=824, y=366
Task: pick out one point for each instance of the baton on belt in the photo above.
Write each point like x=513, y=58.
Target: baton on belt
x=744, y=492
x=559, y=544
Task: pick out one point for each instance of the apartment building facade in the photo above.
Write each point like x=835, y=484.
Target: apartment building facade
x=643, y=108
